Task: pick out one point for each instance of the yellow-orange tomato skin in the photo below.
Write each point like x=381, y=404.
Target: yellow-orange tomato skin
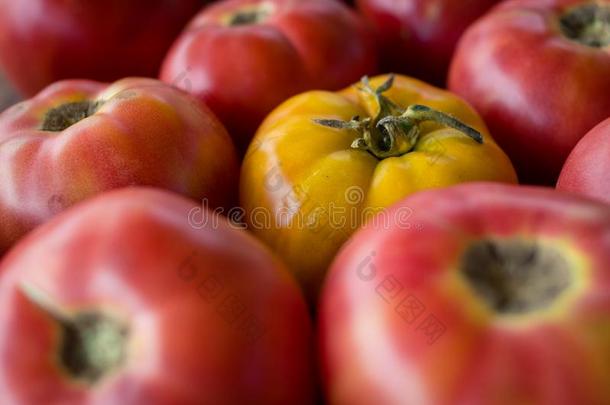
x=305, y=190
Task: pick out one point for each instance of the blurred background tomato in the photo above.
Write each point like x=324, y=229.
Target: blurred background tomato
x=418, y=37
x=43, y=41
x=8, y=96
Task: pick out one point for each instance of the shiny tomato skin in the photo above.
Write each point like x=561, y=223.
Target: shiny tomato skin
x=418, y=37
x=243, y=72
x=400, y=324
x=42, y=41
x=329, y=189
x=586, y=169
x=133, y=254
x=538, y=91
x=144, y=133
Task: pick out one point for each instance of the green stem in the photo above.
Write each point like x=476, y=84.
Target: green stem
x=394, y=131
x=587, y=24
x=417, y=114
x=92, y=345
x=386, y=106
x=65, y=115
x=251, y=15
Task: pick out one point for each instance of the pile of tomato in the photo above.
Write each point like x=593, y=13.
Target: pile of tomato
x=305, y=201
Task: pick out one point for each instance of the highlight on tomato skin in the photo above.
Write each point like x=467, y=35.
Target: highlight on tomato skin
x=78, y=138
x=245, y=57
x=270, y=202
x=324, y=163
x=119, y=300
x=538, y=73
x=586, y=169
x=494, y=294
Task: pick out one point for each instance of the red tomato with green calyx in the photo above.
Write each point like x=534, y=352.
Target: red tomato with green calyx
x=538, y=71
x=244, y=57
x=487, y=294
x=79, y=138
x=122, y=301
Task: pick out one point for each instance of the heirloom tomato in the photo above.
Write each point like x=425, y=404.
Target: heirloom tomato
x=244, y=57
x=496, y=295
x=588, y=166
x=80, y=138
x=323, y=163
x=122, y=300
x=418, y=37
x=538, y=71
x=44, y=41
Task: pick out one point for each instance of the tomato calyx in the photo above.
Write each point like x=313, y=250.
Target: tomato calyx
x=516, y=276
x=394, y=131
x=249, y=15
x=65, y=115
x=587, y=24
x=93, y=344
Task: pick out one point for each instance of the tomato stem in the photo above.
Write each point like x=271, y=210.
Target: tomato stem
x=516, y=276
x=65, y=115
x=250, y=15
x=92, y=345
x=394, y=131
x=418, y=113
x=587, y=24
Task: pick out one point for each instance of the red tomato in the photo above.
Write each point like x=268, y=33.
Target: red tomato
x=44, y=41
x=539, y=73
x=244, y=57
x=587, y=169
x=8, y=96
x=418, y=37
x=122, y=301
x=79, y=138
x=479, y=294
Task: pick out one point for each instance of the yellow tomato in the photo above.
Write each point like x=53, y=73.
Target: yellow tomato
x=322, y=163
